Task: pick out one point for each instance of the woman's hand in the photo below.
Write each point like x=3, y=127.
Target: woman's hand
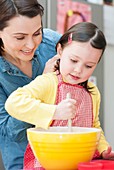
x=52, y=64
x=108, y=154
x=66, y=109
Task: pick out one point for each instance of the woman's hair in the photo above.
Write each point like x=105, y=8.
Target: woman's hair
x=12, y=8
x=84, y=32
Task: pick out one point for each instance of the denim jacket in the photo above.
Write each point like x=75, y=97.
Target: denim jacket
x=13, y=139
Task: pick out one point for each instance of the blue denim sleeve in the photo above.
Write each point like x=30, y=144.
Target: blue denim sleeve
x=50, y=36
x=9, y=126
x=47, y=49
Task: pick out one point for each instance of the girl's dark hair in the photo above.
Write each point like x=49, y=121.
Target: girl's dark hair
x=11, y=8
x=84, y=32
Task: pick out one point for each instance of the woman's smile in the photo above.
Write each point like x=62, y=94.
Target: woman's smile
x=27, y=52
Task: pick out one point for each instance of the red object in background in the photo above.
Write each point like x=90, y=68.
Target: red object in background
x=33, y=169
x=70, y=13
x=90, y=166
x=107, y=164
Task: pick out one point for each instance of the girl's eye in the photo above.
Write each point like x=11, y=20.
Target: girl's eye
x=74, y=61
x=88, y=66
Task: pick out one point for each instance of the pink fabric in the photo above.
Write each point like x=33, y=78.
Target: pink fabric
x=83, y=118
x=84, y=114
x=30, y=162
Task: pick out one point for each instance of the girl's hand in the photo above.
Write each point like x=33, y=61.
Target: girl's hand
x=66, y=109
x=51, y=65
x=108, y=154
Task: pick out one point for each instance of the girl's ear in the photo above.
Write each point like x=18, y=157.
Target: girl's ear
x=59, y=49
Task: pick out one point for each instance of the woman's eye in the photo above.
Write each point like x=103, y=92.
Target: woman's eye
x=19, y=38
x=37, y=33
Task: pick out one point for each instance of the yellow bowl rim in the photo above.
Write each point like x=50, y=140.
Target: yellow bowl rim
x=51, y=130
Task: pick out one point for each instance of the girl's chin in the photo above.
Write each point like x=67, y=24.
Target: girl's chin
x=72, y=82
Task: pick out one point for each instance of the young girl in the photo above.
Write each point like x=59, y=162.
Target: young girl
x=43, y=102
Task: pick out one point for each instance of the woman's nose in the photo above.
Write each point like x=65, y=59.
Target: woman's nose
x=30, y=44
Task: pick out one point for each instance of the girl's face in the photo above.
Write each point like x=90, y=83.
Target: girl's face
x=21, y=37
x=78, y=61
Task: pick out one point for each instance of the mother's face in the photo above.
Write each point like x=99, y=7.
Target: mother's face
x=21, y=37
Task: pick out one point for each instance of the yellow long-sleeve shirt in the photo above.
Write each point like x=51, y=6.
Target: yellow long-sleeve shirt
x=34, y=103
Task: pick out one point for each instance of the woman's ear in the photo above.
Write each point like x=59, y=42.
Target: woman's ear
x=59, y=49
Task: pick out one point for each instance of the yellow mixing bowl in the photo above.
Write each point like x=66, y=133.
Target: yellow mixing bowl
x=59, y=149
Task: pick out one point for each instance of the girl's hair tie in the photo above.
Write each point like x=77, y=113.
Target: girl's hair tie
x=70, y=38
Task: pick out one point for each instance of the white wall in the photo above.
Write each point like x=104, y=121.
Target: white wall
x=108, y=13
x=109, y=94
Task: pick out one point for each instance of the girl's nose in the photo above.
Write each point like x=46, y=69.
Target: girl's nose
x=78, y=69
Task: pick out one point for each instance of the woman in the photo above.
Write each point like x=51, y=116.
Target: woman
x=24, y=49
